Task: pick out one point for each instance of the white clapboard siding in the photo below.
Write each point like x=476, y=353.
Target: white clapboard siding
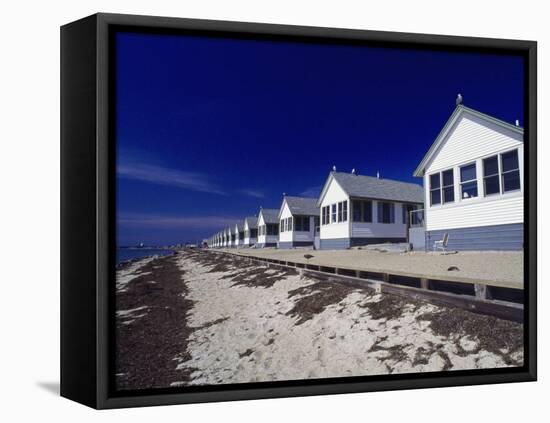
x=334, y=194
x=469, y=139
x=500, y=210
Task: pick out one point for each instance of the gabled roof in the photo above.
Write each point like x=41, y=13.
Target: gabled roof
x=362, y=186
x=459, y=111
x=252, y=222
x=270, y=215
x=301, y=206
x=240, y=225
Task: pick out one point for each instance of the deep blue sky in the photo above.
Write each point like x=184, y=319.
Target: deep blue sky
x=209, y=130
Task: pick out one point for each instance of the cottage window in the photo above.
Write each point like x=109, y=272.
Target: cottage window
x=386, y=212
x=305, y=223
x=356, y=211
x=448, y=186
x=325, y=215
x=290, y=223
x=254, y=233
x=510, y=171
x=333, y=213
x=468, y=181
x=298, y=223
x=435, y=189
x=340, y=211
x=491, y=183
x=282, y=225
x=345, y=211
x=361, y=211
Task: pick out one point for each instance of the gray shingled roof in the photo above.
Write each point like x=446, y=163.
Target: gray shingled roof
x=302, y=206
x=270, y=215
x=252, y=222
x=379, y=188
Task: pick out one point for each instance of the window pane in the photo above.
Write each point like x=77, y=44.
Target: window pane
x=492, y=185
x=490, y=166
x=435, y=197
x=448, y=177
x=510, y=161
x=367, y=211
x=434, y=181
x=449, y=194
x=333, y=213
x=305, y=224
x=510, y=181
x=356, y=206
x=469, y=189
x=468, y=172
x=345, y=212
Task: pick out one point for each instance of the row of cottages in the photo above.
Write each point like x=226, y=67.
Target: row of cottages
x=472, y=196
x=473, y=183
x=353, y=210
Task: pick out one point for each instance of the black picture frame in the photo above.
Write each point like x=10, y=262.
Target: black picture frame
x=87, y=211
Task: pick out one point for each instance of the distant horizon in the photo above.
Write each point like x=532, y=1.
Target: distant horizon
x=210, y=129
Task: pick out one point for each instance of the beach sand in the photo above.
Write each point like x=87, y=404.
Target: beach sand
x=500, y=268
x=230, y=321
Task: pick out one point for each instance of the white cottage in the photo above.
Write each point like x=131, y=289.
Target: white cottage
x=250, y=231
x=227, y=234
x=298, y=220
x=232, y=236
x=473, y=181
x=359, y=210
x=268, y=228
x=239, y=234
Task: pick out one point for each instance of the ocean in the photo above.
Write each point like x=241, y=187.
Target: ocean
x=125, y=254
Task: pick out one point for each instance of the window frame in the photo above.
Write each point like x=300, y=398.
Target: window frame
x=492, y=175
x=437, y=189
x=503, y=172
x=462, y=198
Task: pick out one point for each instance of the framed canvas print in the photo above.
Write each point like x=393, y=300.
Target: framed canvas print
x=256, y=211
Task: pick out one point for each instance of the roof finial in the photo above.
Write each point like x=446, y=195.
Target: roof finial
x=459, y=99
x=353, y=171
x=284, y=194
x=517, y=122
x=378, y=174
x=334, y=168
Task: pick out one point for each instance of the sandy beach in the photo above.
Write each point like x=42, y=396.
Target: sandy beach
x=202, y=318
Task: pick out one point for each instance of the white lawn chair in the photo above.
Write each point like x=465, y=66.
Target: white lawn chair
x=442, y=244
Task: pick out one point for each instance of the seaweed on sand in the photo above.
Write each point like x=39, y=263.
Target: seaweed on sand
x=388, y=307
x=260, y=276
x=147, y=347
x=315, y=298
x=501, y=337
